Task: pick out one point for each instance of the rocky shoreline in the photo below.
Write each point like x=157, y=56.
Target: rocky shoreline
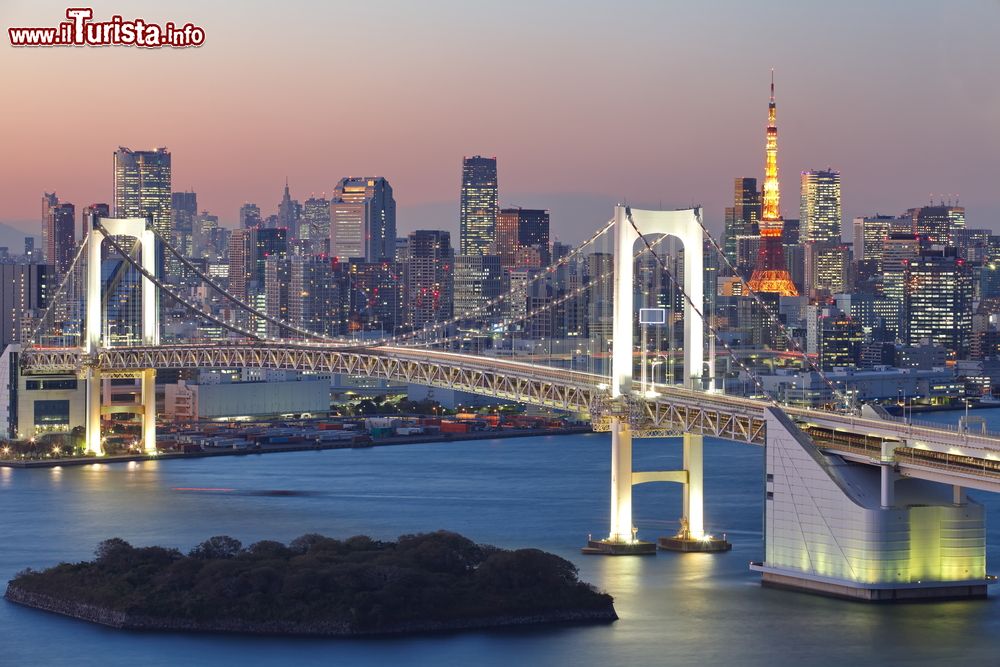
x=130, y=621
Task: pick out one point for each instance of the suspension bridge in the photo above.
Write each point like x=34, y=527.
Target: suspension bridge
x=857, y=503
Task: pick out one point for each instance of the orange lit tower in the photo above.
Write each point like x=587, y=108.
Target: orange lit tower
x=770, y=275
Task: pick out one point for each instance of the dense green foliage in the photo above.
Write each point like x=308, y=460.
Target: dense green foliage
x=368, y=584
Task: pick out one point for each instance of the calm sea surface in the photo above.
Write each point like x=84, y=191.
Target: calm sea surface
x=546, y=492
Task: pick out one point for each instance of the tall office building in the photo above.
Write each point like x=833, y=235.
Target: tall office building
x=49, y=201
x=183, y=210
x=249, y=215
x=316, y=298
x=827, y=268
x=315, y=223
x=819, y=211
x=770, y=275
x=742, y=219
x=478, y=205
x=429, y=276
x=24, y=290
x=938, y=223
x=289, y=212
x=239, y=273
x=938, y=301
x=520, y=228
x=142, y=187
x=363, y=219
x=478, y=279
x=60, y=232
x=90, y=215
x=869, y=235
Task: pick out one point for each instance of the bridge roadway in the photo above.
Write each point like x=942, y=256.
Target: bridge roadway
x=922, y=451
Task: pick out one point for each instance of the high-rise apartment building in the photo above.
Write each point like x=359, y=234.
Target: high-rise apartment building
x=142, y=187
x=478, y=279
x=938, y=301
x=316, y=298
x=24, y=290
x=430, y=261
x=819, y=211
x=363, y=219
x=478, y=205
x=742, y=219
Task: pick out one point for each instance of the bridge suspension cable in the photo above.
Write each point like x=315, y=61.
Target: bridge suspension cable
x=55, y=299
x=776, y=320
x=174, y=295
x=698, y=309
x=492, y=303
x=240, y=304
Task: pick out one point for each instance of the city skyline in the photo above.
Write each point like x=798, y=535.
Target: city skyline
x=547, y=153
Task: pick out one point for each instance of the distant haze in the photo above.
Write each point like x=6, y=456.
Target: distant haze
x=583, y=103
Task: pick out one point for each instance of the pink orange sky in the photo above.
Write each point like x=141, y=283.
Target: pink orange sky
x=583, y=103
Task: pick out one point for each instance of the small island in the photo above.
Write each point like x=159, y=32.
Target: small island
x=316, y=586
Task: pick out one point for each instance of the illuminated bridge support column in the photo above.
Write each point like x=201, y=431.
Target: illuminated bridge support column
x=685, y=225
x=826, y=529
x=92, y=435
x=149, y=410
x=694, y=489
x=137, y=228
x=621, y=481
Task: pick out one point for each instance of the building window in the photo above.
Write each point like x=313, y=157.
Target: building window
x=52, y=413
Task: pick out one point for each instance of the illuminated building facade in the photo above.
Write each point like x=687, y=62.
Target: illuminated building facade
x=61, y=236
x=770, y=275
x=142, y=187
x=742, y=219
x=429, y=277
x=819, y=210
x=938, y=301
x=363, y=220
x=479, y=205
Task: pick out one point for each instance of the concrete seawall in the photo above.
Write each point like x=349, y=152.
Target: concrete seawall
x=129, y=621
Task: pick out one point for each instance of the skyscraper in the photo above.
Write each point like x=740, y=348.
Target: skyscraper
x=24, y=291
x=939, y=301
x=61, y=233
x=742, y=219
x=429, y=277
x=249, y=215
x=363, y=219
x=289, y=212
x=478, y=215
x=771, y=275
x=477, y=282
x=819, y=211
x=937, y=223
x=49, y=201
x=315, y=223
x=142, y=187
x=183, y=210
x=520, y=228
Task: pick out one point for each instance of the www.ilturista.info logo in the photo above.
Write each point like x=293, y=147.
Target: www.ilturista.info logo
x=79, y=30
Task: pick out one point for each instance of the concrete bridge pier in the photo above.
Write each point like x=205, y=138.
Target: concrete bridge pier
x=92, y=435
x=856, y=531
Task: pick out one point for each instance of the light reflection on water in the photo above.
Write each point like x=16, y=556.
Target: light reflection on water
x=541, y=492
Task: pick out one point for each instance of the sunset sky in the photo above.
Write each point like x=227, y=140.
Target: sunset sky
x=583, y=103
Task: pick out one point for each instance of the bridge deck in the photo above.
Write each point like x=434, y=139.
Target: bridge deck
x=670, y=410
